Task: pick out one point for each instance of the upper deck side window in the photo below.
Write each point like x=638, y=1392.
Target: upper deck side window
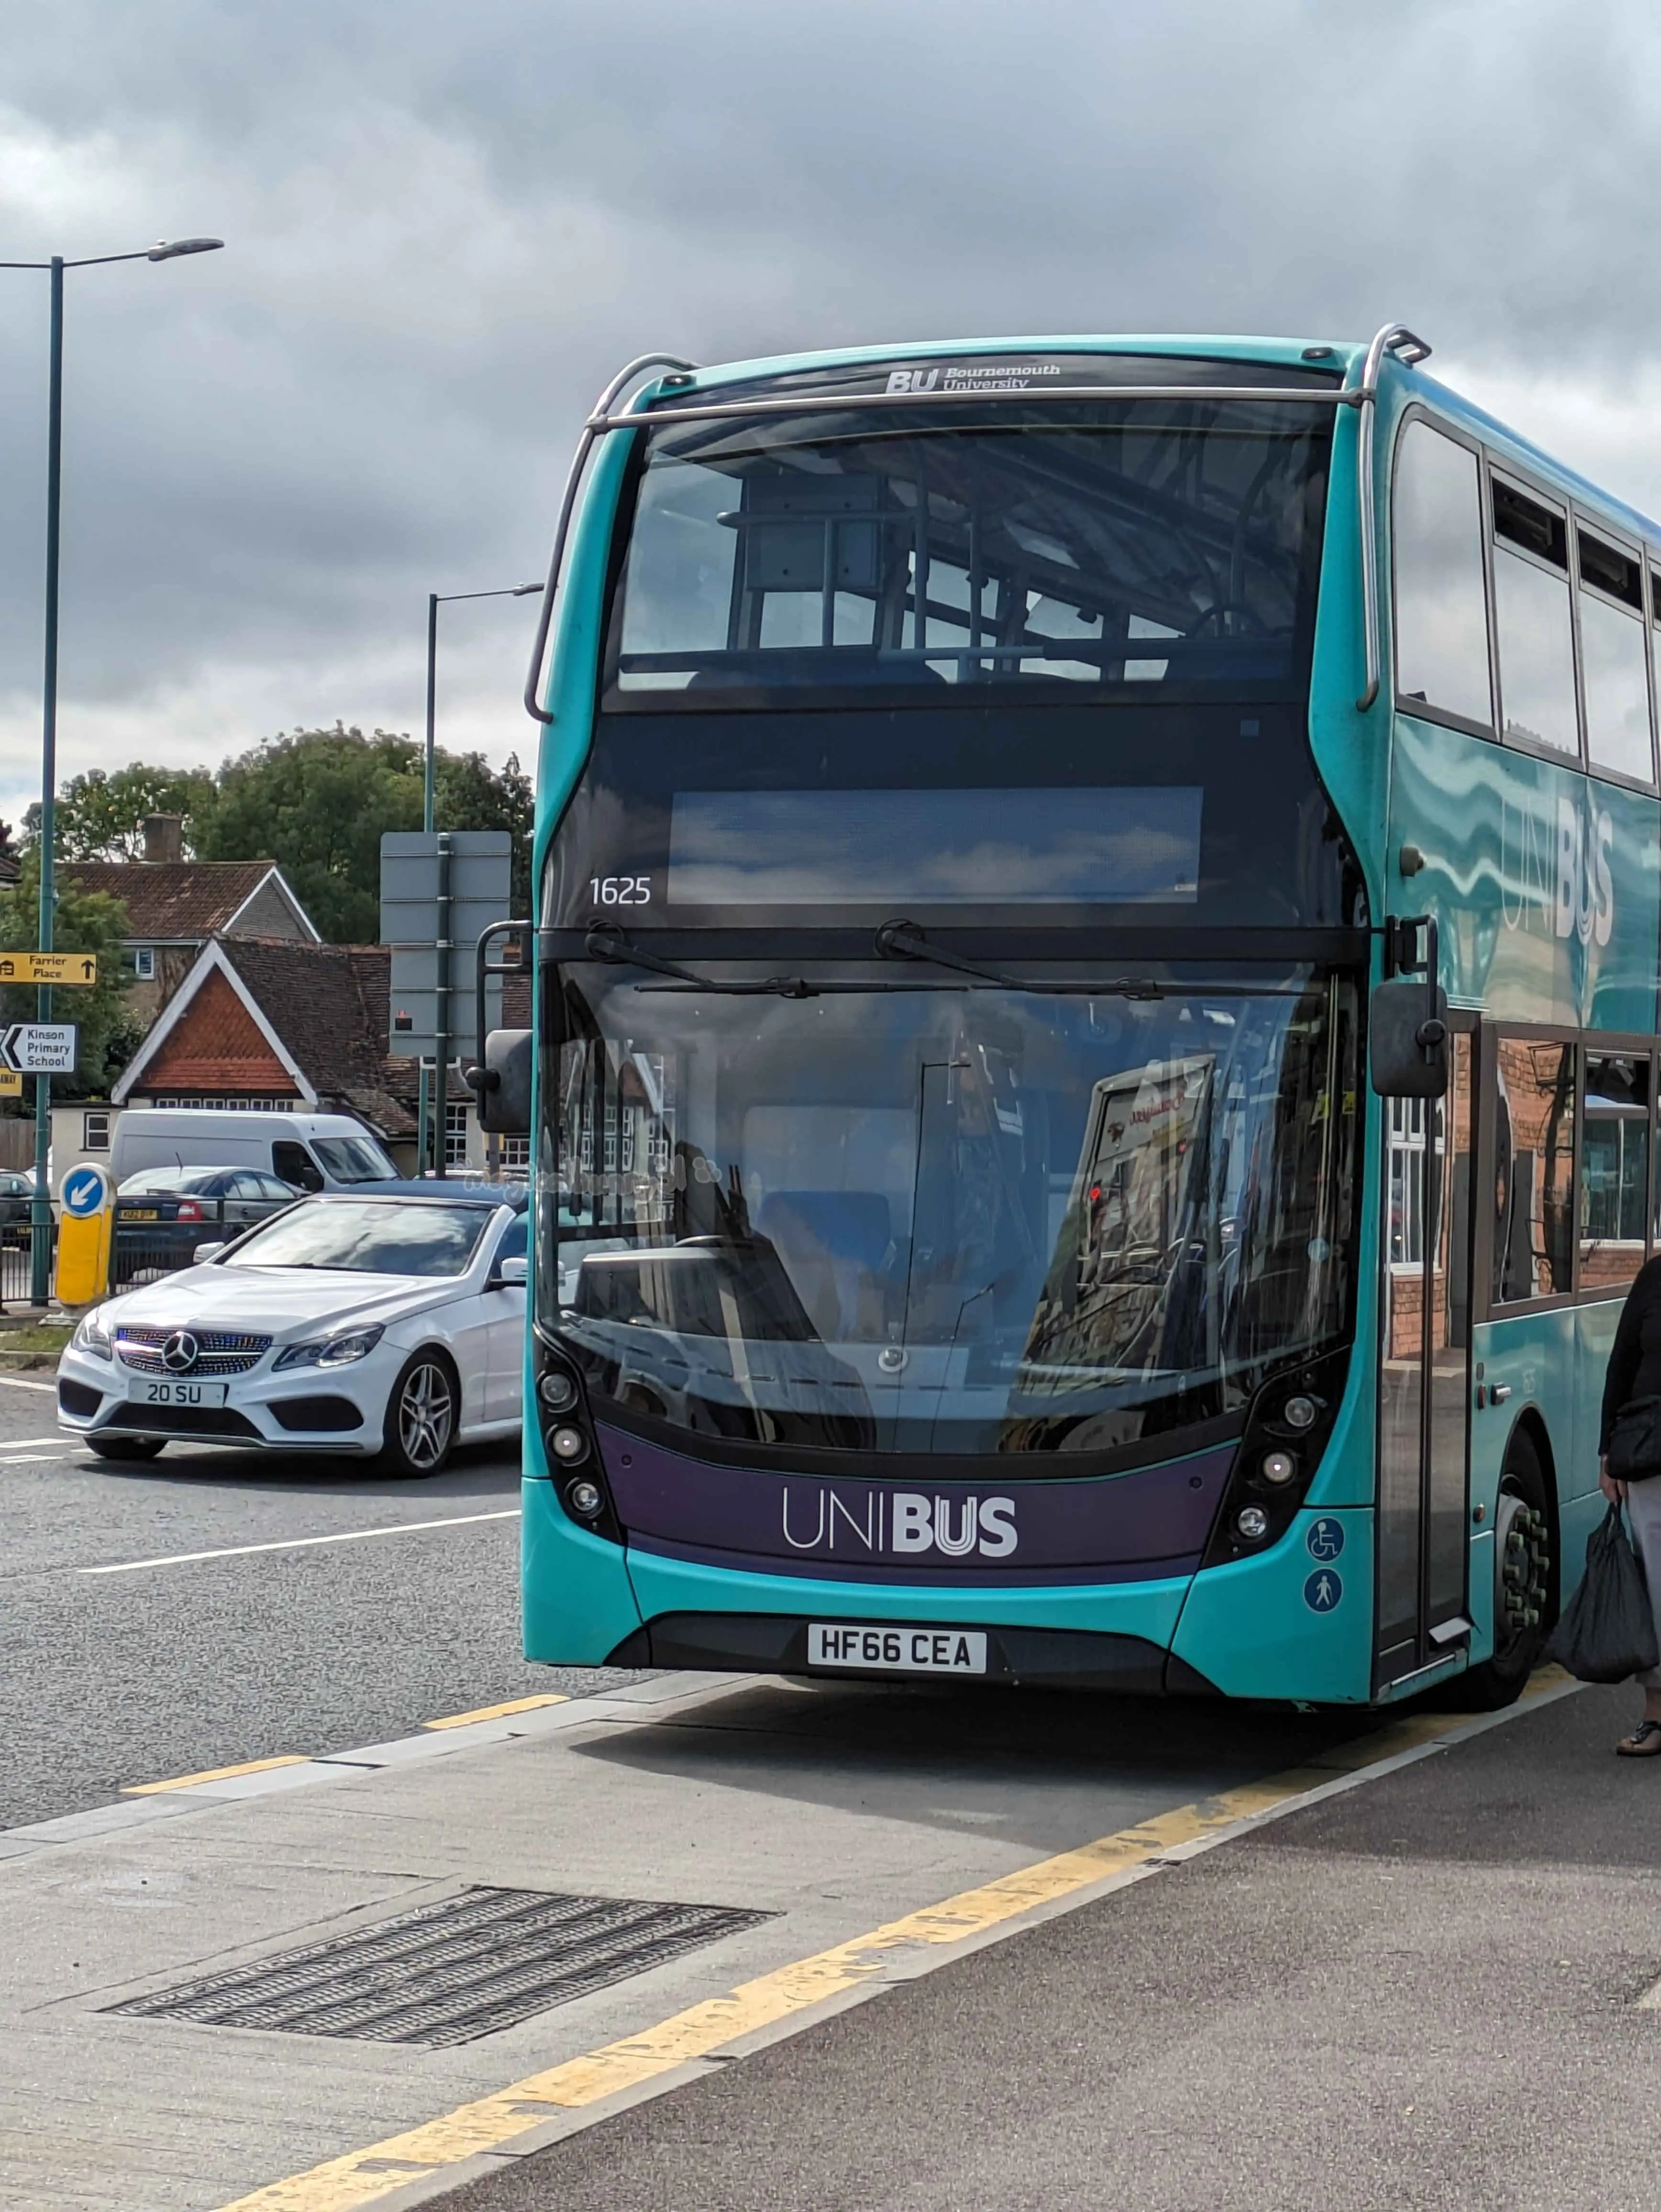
x=1613, y=672
x=1533, y=620
x=1441, y=595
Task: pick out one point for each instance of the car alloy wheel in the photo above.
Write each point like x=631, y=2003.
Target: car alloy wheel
x=425, y=1415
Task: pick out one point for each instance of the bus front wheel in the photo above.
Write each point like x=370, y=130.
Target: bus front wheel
x=1523, y=1571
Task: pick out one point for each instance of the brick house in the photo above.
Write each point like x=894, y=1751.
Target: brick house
x=175, y=906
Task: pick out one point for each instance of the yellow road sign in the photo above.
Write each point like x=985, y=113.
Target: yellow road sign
x=11, y=1083
x=53, y=967
x=86, y=1205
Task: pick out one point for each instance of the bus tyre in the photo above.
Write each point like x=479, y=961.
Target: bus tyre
x=422, y=1410
x=1523, y=1580
x=127, y=1447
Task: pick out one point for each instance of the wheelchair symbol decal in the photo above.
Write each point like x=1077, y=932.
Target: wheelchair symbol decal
x=1325, y=1538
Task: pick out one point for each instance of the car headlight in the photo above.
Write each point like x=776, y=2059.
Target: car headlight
x=332, y=1351
x=93, y=1335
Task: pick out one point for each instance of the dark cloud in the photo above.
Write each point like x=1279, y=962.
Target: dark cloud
x=445, y=226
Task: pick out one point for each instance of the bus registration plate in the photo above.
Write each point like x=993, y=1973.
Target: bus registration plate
x=144, y=1390
x=903, y=1650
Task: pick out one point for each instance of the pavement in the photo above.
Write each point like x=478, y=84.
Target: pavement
x=711, y=1941
x=1426, y=1992
x=990, y=1950
x=114, y=1672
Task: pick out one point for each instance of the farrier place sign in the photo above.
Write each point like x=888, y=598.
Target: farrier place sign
x=49, y=968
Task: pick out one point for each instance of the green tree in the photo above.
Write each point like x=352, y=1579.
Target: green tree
x=84, y=922
x=100, y=817
x=316, y=802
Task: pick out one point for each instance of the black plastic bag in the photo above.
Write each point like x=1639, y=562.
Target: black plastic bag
x=1606, y=1632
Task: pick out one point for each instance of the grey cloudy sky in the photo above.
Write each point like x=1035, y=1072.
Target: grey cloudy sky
x=446, y=225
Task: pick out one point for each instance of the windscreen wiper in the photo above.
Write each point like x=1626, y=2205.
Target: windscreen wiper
x=904, y=941
x=610, y=944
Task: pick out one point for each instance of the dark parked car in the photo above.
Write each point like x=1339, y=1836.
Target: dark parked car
x=16, y=1196
x=161, y=1215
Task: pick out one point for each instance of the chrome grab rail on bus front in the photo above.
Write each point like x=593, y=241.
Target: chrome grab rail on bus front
x=1394, y=337
x=1410, y=349
x=619, y=383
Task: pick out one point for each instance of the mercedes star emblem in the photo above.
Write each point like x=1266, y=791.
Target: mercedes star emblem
x=179, y=1352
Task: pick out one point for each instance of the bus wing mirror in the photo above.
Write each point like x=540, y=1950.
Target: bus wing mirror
x=1407, y=1043
x=503, y=1085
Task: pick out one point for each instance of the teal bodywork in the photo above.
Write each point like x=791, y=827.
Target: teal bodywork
x=1512, y=847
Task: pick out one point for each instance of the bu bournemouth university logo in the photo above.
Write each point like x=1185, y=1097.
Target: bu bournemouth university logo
x=898, y=1523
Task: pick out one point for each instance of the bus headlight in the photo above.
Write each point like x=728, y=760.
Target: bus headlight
x=584, y=1498
x=1251, y=1523
x=568, y=1446
x=1278, y=1468
x=1300, y=1413
x=557, y=1392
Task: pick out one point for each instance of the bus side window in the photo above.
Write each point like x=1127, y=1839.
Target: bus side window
x=1531, y=612
x=1534, y=1171
x=296, y=1164
x=1613, y=677
x=1441, y=601
x=1615, y=1168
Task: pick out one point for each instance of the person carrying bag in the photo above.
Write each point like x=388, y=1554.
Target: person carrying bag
x=1629, y=1474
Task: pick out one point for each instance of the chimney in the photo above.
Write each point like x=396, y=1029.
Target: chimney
x=164, y=837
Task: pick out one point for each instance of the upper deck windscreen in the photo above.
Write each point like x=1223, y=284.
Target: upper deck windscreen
x=1119, y=547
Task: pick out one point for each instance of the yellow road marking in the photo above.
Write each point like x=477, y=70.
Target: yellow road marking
x=498, y=1712
x=215, y=1774
x=343, y=2185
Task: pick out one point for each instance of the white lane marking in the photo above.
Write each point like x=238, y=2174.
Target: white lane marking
x=18, y=1444
x=301, y=1543
x=16, y=1382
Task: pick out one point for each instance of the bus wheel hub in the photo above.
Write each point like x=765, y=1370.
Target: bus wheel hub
x=1523, y=1563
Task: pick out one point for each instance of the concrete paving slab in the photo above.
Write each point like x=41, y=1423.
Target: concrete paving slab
x=441, y=1743
x=831, y=1808
x=230, y=1788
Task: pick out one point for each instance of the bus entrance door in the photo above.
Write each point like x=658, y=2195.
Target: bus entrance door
x=1424, y=1389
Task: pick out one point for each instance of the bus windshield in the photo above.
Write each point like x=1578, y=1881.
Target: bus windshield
x=1153, y=548
x=946, y=1220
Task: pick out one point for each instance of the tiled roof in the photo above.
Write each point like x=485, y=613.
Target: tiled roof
x=217, y=1046
x=183, y=899
x=328, y=1003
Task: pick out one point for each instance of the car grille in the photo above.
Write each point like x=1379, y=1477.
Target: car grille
x=219, y=1351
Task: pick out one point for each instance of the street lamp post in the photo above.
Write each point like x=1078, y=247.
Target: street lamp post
x=440, y=1133
x=165, y=250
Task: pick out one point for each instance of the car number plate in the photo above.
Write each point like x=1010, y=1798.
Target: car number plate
x=141, y=1213
x=151, y=1390
x=897, y=1650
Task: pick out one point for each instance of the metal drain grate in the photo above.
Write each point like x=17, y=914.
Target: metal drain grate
x=448, y=1972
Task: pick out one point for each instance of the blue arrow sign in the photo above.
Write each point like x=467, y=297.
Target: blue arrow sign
x=86, y=1192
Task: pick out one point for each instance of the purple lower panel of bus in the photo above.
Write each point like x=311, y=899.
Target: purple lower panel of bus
x=1120, y=1528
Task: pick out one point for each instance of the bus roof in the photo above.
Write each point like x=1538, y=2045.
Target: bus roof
x=1345, y=356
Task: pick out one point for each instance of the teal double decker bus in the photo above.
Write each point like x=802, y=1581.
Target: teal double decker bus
x=1096, y=968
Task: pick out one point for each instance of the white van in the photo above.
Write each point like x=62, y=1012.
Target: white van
x=312, y=1152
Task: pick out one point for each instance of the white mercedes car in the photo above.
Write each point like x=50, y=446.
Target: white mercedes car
x=391, y=1327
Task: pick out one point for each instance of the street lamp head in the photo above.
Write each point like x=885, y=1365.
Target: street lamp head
x=523, y=591
x=169, y=249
